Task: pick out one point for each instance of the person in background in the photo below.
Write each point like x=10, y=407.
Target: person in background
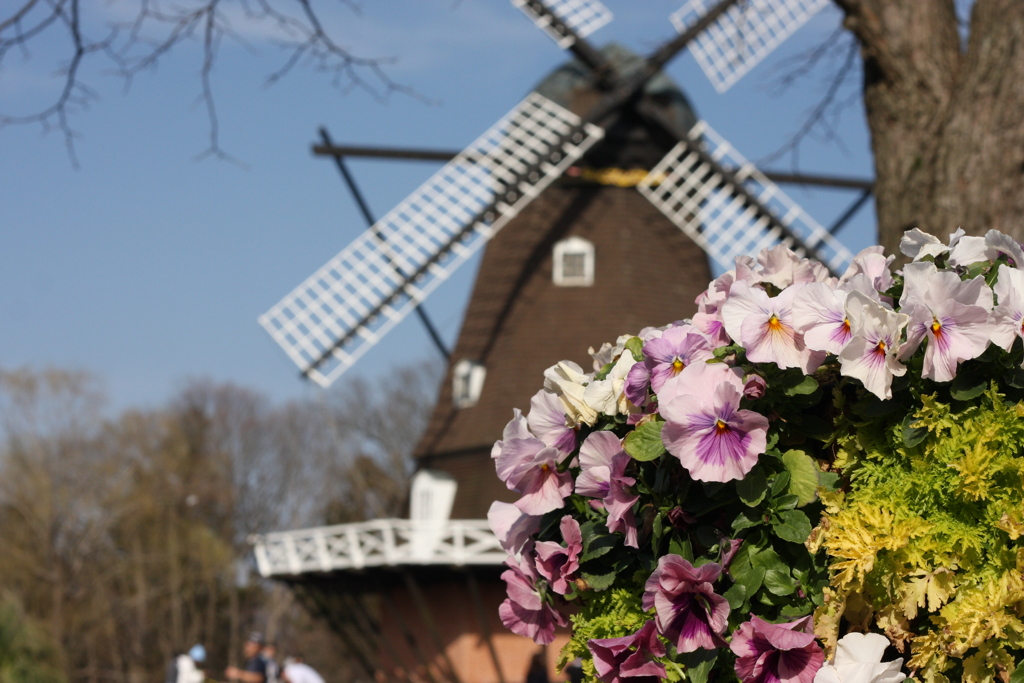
x=538, y=671
x=295, y=671
x=255, y=668
x=269, y=655
x=184, y=668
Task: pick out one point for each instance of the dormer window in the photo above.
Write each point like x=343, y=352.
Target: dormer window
x=467, y=383
x=573, y=263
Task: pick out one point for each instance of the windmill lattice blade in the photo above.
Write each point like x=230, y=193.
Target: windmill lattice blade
x=343, y=309
x=582, y=16
x=744, y=35
x=696, y=196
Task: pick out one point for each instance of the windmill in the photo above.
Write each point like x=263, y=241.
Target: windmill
x=599, y=179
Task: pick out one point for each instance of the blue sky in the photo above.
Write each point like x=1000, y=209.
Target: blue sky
x=147, y=267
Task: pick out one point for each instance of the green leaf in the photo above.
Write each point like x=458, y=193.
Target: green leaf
x=776, y=573
x=723, y=351
x=699, y=663
x=808, y=385
x=780, y=483
x=829, y=480
x=966, y=386
x=681, y=547
x=635, y=345
x=745, y=520
x=912, y=435
x=1018, y=673
x=803, y=476
x=792, y=526
x=752, y=488
x=736, y=595
x=598, y=546
x=644, y=443
x=743, y=570
x=599, y=582
x=657, y=530
x=603, y=372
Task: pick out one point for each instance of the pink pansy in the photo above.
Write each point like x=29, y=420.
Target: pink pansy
x=776, y=653
x=764, y=326
x=951, y=314
x=603, y=475
x=687, y=610
x=871, y=356
x=1008, y=317
x=525, y=612
x=511, y=526
x=859, y=660
x=629, y=659
x=713, y=439
x=971, y=249
x=557, y=564
x=874, y=265
x=530, y=467
x=819, y=314
x=547, y=420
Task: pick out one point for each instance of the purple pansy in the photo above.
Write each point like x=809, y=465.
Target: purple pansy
x=526, y=612
x=603, y=475
x=678, y=347
x=776, y=653
x=556, y=563
x=529, y=467
x=687, y=610
x=953, y=315
x=629, y=659
x=707, y=431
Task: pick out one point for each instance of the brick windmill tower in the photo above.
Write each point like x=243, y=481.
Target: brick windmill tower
x=600, y=198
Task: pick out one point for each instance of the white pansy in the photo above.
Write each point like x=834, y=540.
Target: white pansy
x=606, y=395
x=568, y=382
x=917, y=244
x=859, y=660
x=994, y=244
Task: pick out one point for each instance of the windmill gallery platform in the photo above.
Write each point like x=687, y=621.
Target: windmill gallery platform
x=575, y=256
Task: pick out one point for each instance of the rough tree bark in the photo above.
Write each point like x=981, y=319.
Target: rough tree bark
x=946, y=118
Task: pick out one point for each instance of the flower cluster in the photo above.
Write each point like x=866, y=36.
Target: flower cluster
x=689, y=484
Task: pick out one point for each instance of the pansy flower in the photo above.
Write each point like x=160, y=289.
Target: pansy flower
x=526, y=611
x=629, y=659
x=687, y=610
x=603, y=476
x=776, y=653
x=872, y=354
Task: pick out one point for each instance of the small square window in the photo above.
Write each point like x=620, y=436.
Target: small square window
x=573, y=263
x=467, y=383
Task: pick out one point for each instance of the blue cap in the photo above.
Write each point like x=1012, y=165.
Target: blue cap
x=197, y=653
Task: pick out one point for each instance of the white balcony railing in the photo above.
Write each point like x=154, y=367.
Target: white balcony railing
x=377, y=543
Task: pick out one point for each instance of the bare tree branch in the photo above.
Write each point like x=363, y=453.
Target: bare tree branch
x=130, y=47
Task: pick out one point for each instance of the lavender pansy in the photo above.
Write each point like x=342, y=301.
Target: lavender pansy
x=712, y=437
x=687, y=610
x=511, y=525
x=547, y=420
x=629, y=659
x=529, y=467
x=819, y=314
x=871, y=355
x=603, y=475
x=776, y=653
x=1008, y=317
x=874, y=265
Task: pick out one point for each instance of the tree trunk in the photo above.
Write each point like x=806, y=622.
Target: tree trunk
x=946, y=119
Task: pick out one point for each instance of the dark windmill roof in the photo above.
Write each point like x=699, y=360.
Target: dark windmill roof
x=518, y=322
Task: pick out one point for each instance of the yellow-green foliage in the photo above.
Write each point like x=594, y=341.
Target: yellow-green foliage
x=926, y=540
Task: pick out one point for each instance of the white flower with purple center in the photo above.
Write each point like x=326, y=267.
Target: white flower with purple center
x=873, y=264
x=530, y=467
x=1008, y=317
x=765, y=327
x=819, y=314
x=971, y=249
x=705, y=428
x=548, y=421
x=871, y=355
x=664, y=358
x=951, y=314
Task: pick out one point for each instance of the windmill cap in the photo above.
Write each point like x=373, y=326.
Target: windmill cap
x=197, y=653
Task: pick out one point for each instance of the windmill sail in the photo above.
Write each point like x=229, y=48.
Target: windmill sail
x=695, y=186
x=748, y=31
x=581, y=17
x=345, y=307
